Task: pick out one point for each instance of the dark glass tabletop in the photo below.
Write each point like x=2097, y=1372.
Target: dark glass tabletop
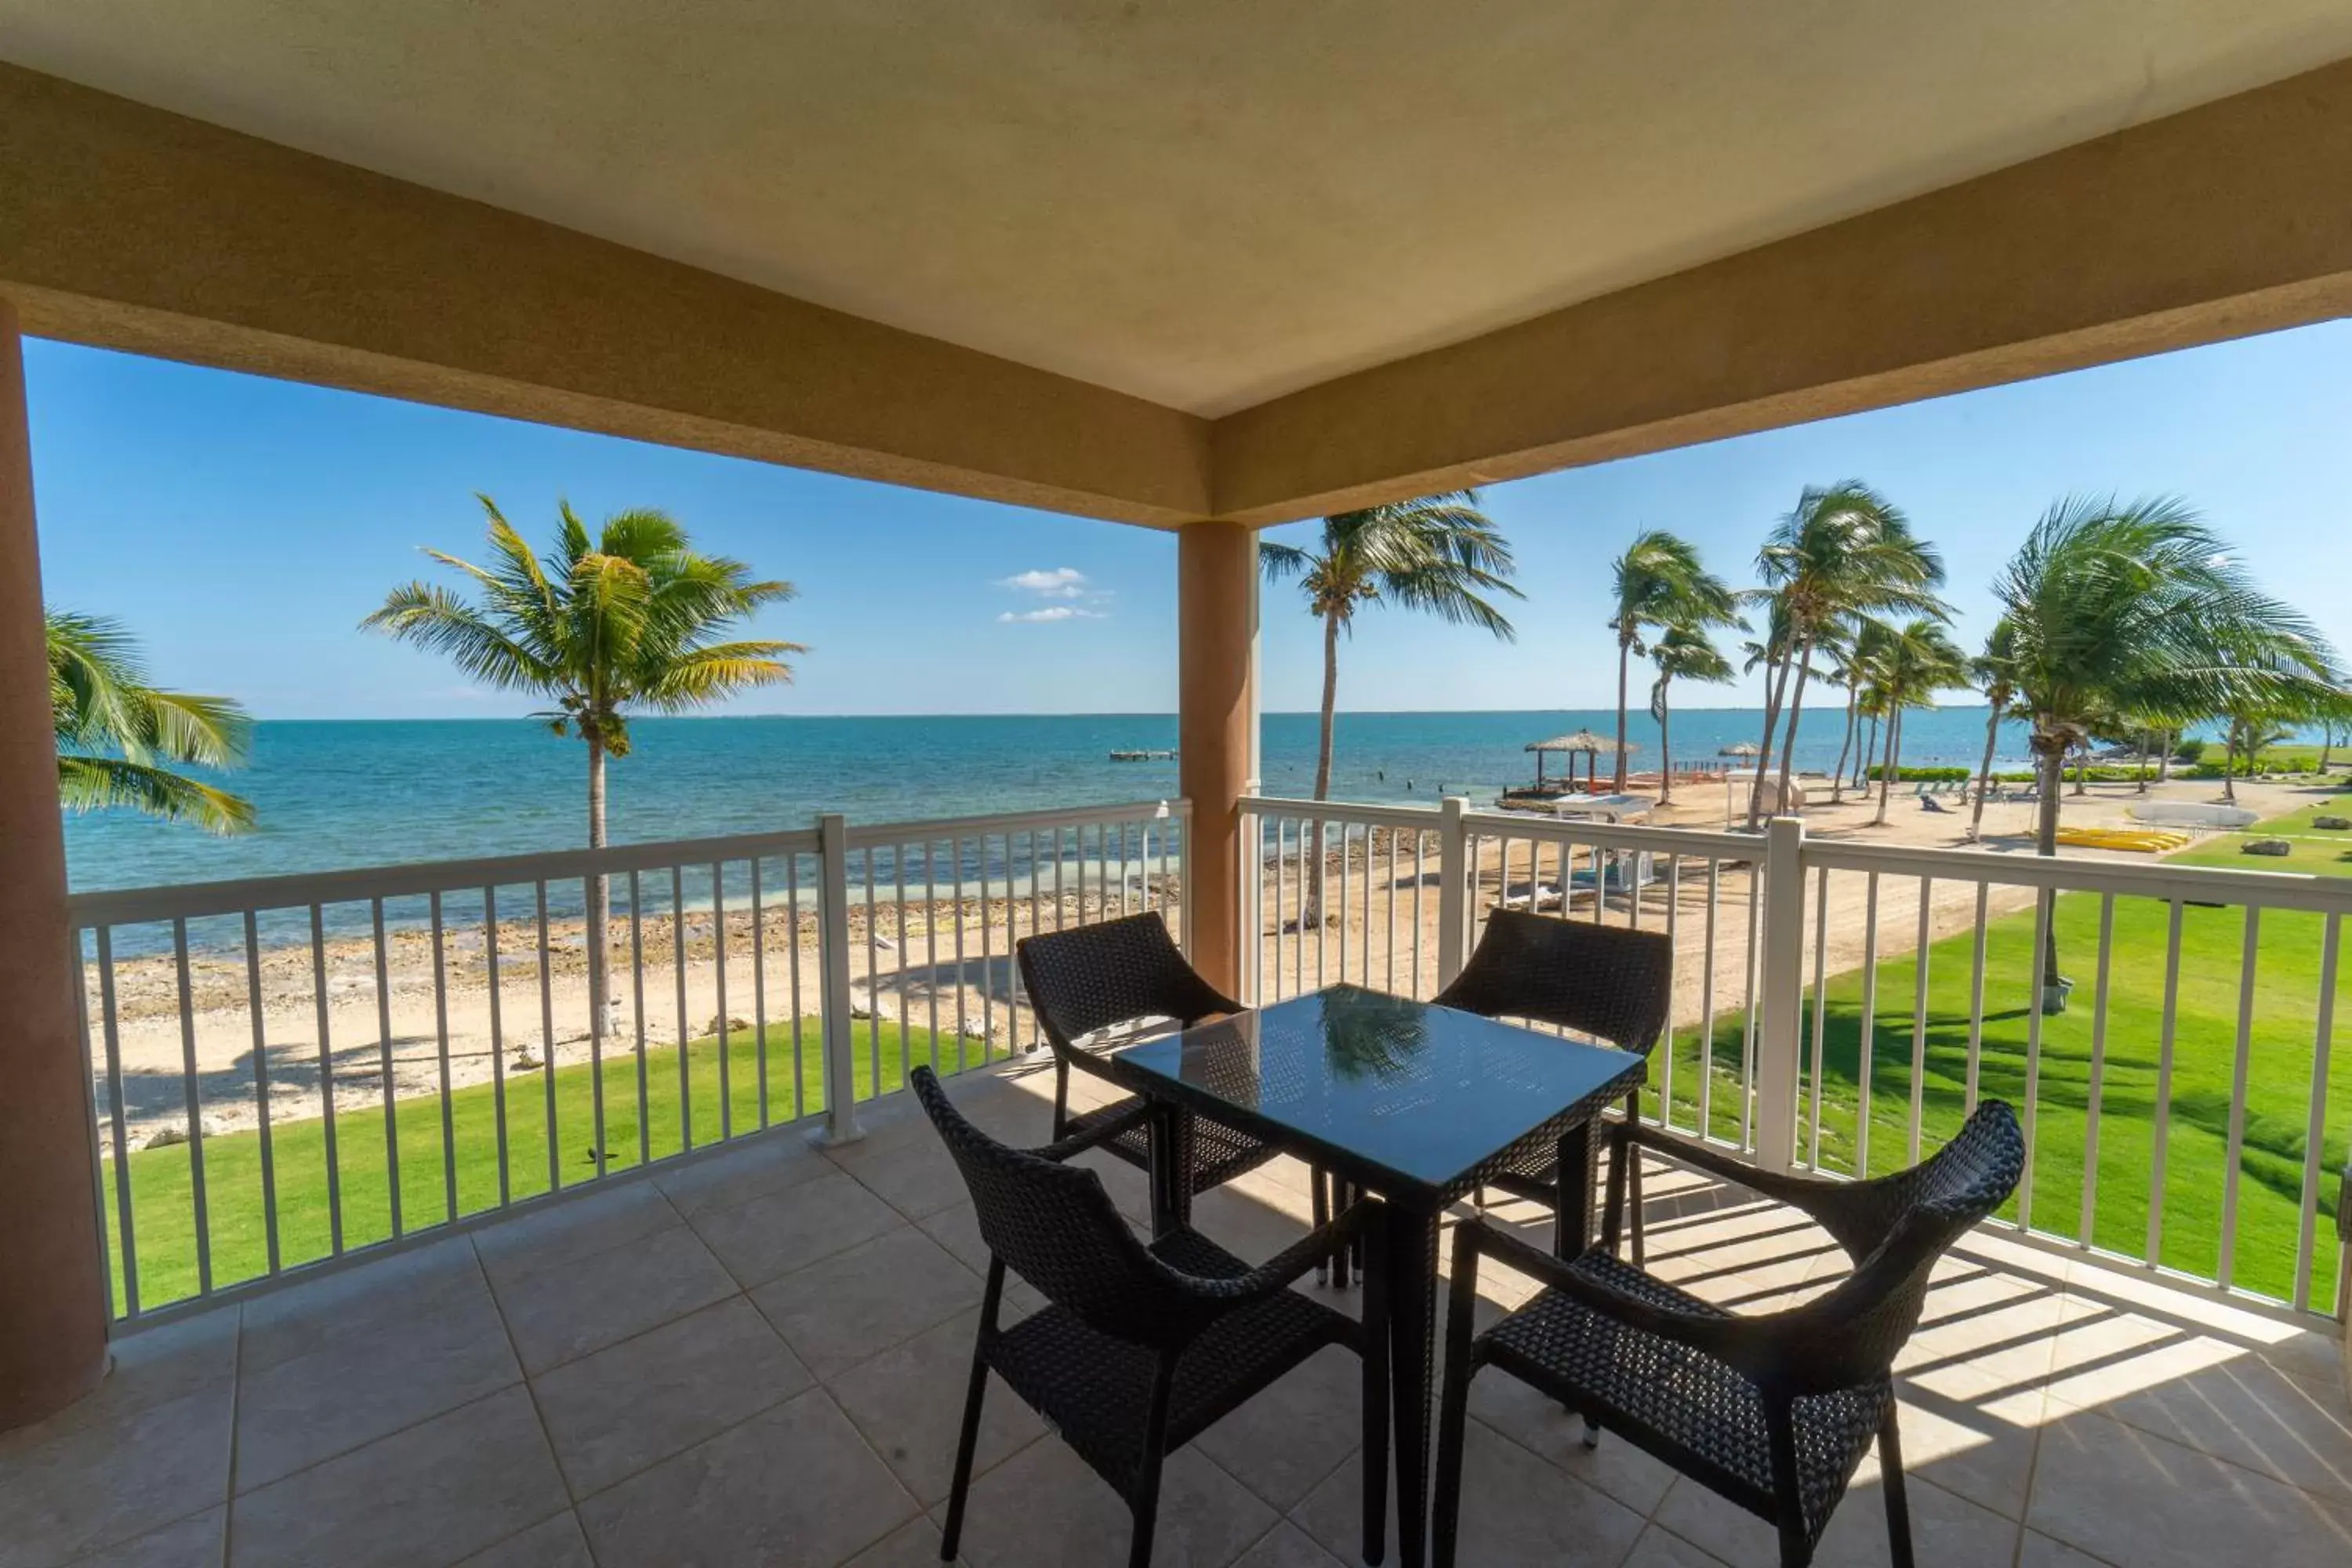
x=1421, y=1095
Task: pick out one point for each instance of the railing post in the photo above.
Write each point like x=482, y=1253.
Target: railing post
x=837, y=1027
x=1454, y=870
x=1781, y=1012
x=1252, y=989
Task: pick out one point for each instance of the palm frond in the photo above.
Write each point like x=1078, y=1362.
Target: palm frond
x=97, y=784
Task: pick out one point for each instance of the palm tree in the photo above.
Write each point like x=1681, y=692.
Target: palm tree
x=1439, y=553
x=1845, y=551
x=1658, y=584
x=2137, y=609
x=1681, y=653
x=1913, y=663
x=1991, y=671
x=603, y=627
x=1843, y=670
x=117, y=738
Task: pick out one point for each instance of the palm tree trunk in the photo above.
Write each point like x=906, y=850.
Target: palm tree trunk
x=2082, y=768
x=1665, y=752
x=1776, y=679
x=1887, y=766
x=599, y=910
x=2049, y=762
x=1624, y=660
x=1869, y=750
x=2327, y=746
x=2230, y=762
x=2171, y=743
x=1984, y=775
x=1313, y=914
x=2147, y=742
x=1837, y=785
x=1796, y=712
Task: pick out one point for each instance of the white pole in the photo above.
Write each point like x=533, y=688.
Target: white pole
x=1780, y=1015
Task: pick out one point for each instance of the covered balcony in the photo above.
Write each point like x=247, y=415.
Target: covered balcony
x=402, y=1251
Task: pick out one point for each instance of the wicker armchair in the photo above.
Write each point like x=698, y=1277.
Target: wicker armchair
x=1775, y=1411
x=1092, y=978
x=1609, y=981
x=1142, y=1348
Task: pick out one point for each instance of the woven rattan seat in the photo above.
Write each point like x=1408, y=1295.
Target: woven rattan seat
x=1092, y=979
x=1096, y=1389
x=1774, y=1412
x=1140, y=1348
x=1612, y=983
x=1704, y=1417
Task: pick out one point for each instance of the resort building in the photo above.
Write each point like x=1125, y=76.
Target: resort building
x=1201, y=268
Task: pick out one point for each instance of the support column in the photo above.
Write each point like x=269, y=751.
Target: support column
x=52, y=1292
x=1216, y=638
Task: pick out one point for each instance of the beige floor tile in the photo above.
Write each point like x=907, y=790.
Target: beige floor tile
x=551, y=1544
x=795, y=1485
x=773, y=1162
x=1293, y=1432
x=910, y=1169
x=2039, y=1552
x=1246, y=1224
x=1332, y=1514
x=1965, y=1432
x=2211, y=1396
x=958, y=1230
x=915, y=1544
x=908, y=1401
x=2133, y=1498
x=612, y=1414
x=792, y=1229
x=1660, y=1547
x=1539, y=1424
x=1518, y=1509
x=293, y=1414
x=150, y=1446
x=197, y=1543
x=563, y=1312
x=1044, y=1508
x=860, y=1303
x=1288, y=1546
x=1947, y=1530
x=431, y=1494
x=300, y=1318
x=573, y=1228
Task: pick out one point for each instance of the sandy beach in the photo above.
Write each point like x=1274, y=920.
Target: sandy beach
x=904, y=963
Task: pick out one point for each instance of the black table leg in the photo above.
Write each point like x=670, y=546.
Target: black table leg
x=1413, y=1309
x=1580, y=1163
x=1170, y=1179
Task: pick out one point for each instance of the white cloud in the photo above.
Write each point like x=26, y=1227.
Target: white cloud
x=1054, y=613
x=1058, y=583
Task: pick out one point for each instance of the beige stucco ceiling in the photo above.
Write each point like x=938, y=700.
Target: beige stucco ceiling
x=1206, y=202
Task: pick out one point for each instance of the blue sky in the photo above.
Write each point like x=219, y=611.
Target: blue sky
x=242, y=527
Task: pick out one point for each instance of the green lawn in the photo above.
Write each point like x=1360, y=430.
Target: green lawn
x=2196, y=1143
x=2312, y=850
x=162, y=1194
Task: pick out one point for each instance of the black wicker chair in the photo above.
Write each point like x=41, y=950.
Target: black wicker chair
x=1609, y=981
x=1775, y=1411
x=1142, y=1348
x=1093, y=977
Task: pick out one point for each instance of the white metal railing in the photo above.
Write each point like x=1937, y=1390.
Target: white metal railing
x=287, y=1071
x=1841, y=1006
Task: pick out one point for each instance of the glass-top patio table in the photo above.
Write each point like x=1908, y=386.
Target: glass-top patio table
x=1418, y=1104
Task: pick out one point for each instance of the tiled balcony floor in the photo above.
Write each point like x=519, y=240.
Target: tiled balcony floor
x=758, y=1359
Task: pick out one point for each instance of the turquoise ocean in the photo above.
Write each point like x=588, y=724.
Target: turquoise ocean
x=332, y=794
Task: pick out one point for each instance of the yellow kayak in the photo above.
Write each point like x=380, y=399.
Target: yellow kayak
x=2147, y=840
